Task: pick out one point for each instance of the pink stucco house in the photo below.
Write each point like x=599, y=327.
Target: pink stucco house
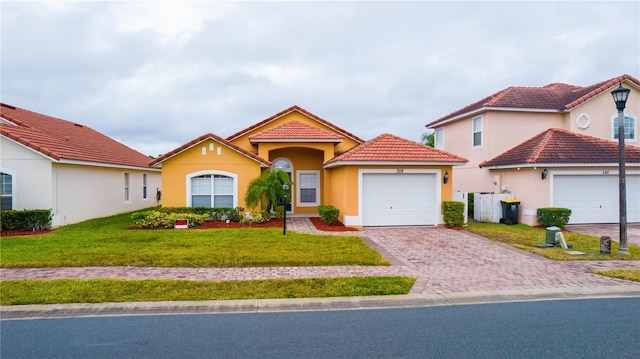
x=551, y=146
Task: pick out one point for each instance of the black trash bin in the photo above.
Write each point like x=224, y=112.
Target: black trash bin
x=509, y=211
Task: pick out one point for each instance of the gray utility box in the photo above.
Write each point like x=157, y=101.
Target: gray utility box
x=551, y=235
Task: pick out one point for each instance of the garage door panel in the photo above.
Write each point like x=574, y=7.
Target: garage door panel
x=594, y=198
x=398, y=199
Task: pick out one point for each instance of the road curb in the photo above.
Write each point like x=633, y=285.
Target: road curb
x=40, y=311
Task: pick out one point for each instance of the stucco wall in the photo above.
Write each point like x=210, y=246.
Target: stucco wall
x=85, y=192
x=205, y=157
x=32, y=176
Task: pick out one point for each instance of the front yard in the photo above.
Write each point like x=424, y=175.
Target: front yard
x=108, y=242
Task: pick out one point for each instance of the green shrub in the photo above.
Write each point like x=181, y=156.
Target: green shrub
x=553, y=216
x=155, y=219
x=135, y=216
x=453, y=213
x=254, y=217
x=27, y=219
x=329, y=214
x=280, y=212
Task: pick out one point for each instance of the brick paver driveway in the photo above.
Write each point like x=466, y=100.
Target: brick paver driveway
x=448, y=261
x=441, y=260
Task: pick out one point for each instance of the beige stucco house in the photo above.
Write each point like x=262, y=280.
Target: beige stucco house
x=551, y=146
x=77, y=172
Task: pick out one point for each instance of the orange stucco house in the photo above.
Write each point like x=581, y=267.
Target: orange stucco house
x=386, y=181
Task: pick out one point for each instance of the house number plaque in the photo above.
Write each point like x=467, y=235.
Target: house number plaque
x=399, y=170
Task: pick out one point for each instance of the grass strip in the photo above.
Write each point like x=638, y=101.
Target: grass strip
x=627, y=274
x=58, y=291
x=526, y=238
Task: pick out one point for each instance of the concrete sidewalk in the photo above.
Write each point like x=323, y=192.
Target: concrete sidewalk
x=450, y=267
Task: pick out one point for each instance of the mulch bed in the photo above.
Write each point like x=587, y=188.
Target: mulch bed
x=23, y=233
x=336, y=227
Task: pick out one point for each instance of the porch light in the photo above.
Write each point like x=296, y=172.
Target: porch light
x=445, y=178
x=544, y=174
x=620, y=96
x=285, y=188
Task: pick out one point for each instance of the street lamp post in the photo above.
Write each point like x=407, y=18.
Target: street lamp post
x=620, y=96
x=285, y=188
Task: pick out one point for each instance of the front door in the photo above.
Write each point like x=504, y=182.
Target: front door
x=285, y=165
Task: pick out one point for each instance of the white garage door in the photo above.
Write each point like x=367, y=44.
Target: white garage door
x=398, y=199
x=594, y=198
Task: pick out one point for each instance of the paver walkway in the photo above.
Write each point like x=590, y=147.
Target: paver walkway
x=442, y=260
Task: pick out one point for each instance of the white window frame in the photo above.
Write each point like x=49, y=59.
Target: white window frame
x=234, y=176
x=614, y=129
x=299, y=188
x=14, y=186
x=474, y=131
x=439, y=144
x=127, y=187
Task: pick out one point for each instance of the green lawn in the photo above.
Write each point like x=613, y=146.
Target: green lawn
x=108, y=242
x=526, y=238
x=18, y=292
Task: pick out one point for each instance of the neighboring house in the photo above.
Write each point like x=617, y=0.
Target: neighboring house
x=77, y=172
x=551, y=146
x=385, y=181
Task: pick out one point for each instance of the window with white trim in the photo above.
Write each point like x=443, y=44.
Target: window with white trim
x=477, y=132
x=216, y=191
x=308, y=186
x=438, y=138
x=630, y=128
x=126, y=187
x=144, y=186
x=6, y=191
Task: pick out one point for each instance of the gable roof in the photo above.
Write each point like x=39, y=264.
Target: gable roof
x=561, y=147
x=196, y=141
x=387, y=148
x=553, y=97
x=288, y=111
x=295, y=131
x=65, y=141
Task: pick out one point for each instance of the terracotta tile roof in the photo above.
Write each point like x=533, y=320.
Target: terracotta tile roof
x=389, y=148
x=216, y=138
x=556, y=97
x=295, y=131
x=64, y=140
x=561, y=147
x=302, y=111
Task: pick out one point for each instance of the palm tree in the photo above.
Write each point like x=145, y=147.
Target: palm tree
x=267, y=188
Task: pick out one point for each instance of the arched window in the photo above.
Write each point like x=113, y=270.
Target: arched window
x=216, y=190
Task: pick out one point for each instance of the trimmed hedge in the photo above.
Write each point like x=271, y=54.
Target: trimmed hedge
x=553, y=216
x=25, y=220
x=329, y=214
x=453, y=213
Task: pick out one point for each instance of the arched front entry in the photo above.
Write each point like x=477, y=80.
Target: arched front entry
x=285, y=165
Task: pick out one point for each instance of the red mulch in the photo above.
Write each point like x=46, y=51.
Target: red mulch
x=336, y=227
x=23, y=233
x=222, y=224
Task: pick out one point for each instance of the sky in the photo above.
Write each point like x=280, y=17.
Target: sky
x=157, y=74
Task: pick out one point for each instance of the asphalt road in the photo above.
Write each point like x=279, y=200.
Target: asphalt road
x=587, y=328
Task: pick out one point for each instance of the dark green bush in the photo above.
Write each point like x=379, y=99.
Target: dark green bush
x=329, y=214
x=553, y=216
x=27, y=219
x=453, y=213
x=280, y=212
